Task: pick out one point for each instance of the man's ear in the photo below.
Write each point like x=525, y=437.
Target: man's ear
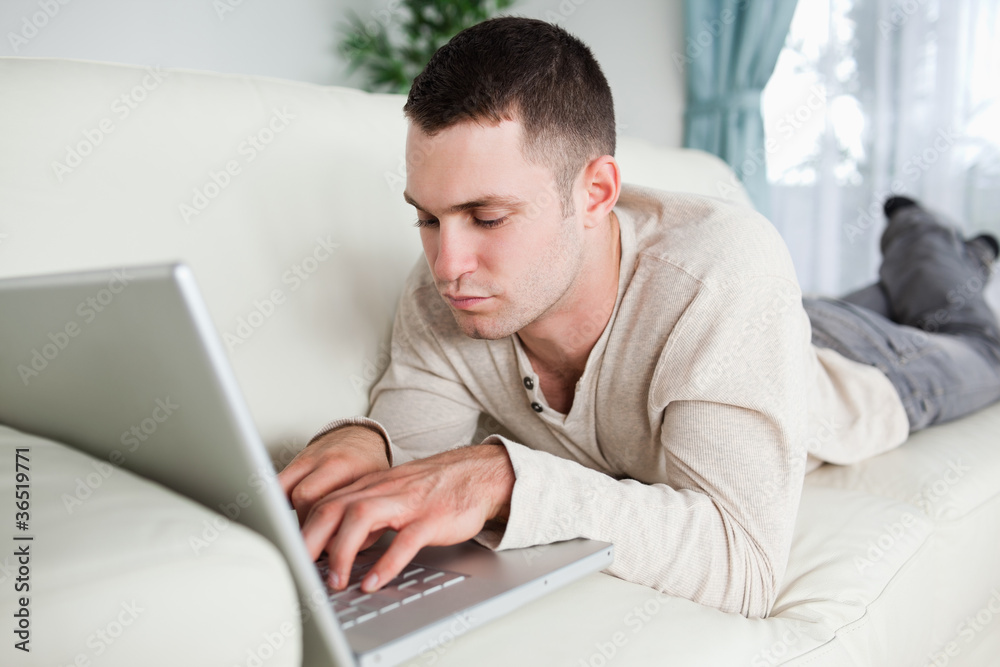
x=602, y=183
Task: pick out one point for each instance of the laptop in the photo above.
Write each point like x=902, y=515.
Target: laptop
x=87, y=355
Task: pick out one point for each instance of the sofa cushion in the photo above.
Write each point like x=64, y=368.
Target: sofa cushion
x=946, y=471
x=125, y=572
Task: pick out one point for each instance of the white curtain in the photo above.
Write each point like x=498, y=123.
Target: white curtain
x=878, y=97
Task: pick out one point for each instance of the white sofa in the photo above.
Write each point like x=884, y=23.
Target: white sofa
x=285, y=199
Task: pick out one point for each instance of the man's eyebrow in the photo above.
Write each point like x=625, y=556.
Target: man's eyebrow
x=483, y=202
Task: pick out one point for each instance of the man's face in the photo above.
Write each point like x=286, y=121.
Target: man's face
x=501, y=253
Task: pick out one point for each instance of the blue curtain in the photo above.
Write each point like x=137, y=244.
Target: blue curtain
x=731, y=48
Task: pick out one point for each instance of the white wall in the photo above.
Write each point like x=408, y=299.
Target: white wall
x=295, y=39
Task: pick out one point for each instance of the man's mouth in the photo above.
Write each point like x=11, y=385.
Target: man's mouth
x=462, y=301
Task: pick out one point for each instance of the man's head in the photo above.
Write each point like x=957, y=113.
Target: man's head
x=509, y=167
x=526, y=70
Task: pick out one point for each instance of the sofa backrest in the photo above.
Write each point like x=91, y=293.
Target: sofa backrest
x=285, y=199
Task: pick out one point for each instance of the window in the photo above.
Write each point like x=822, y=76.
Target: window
x=874, y=97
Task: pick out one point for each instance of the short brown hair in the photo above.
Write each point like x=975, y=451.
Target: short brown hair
x=521, y=69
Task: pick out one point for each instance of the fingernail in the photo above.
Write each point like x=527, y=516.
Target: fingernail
x=335, y=580
x=370, y=582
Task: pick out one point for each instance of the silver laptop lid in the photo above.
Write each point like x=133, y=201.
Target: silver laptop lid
x=162, y=358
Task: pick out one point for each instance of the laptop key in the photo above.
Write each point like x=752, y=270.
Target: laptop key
x=353, y=606
x=350, y=596
x=366, y=617
x=349, y=614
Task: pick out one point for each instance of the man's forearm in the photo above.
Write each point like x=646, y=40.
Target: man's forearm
x=365, y=425
x=676, y=541
x=498, y=477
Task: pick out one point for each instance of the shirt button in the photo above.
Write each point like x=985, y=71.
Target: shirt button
x=529, y=383
x=537, y=407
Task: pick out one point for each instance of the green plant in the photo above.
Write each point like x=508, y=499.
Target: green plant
x=397, y=42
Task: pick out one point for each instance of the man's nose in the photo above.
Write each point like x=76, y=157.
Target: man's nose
x=456, y=251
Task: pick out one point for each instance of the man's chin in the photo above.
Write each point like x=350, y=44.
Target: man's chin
x=480, y=327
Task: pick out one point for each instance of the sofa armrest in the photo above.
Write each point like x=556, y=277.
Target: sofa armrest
x=121, y=571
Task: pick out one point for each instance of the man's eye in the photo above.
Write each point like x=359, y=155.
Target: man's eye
x=491, y=223
x=432, y=222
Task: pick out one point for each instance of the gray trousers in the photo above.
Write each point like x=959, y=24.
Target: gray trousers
x=925, y=324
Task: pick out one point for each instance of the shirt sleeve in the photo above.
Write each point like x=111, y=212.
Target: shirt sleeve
x=357, y=421
x=713, y=523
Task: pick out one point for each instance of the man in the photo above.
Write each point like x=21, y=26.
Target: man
x=647, y=354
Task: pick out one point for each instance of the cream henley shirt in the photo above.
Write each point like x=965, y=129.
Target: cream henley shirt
x=701, y=407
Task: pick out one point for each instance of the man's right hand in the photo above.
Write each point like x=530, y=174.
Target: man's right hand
x=335, y=460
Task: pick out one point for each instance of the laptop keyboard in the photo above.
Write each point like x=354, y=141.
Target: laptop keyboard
x=352, y=606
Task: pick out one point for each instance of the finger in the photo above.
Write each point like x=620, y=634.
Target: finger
x=321, y=519
x=372, y=539
x=310, y=490
x=329, y=481
x=317, y=471
x=294, y=472
x=360, y=519
x=404, y=547
x=320, y=524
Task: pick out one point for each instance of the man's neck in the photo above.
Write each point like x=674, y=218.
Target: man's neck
x=560, y=345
